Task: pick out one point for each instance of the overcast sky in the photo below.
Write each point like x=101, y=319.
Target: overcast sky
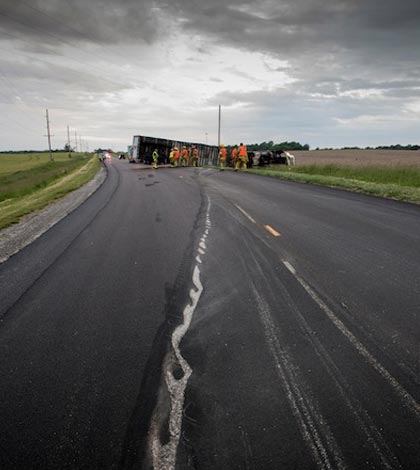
x=329, y=73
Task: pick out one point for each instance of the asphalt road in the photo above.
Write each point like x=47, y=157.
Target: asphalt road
x=194, y=319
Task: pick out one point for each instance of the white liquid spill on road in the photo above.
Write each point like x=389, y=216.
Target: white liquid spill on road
x=164, y=455
x=314, y=429
x=406, y=398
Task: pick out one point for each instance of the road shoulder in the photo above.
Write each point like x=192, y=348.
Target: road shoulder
x=32, y=226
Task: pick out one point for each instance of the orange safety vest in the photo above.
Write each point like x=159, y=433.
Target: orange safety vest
x=242, y=151
x=222, y=153
x=234, y=153
x=184, y=153
x=176, y=154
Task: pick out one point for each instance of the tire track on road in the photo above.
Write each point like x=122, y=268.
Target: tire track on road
x=364, y=422
x=302, y=407
x=314, y=429
x=406, y=398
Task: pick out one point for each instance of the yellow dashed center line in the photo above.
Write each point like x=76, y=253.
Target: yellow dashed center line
x=267, y=227
x=272, y=231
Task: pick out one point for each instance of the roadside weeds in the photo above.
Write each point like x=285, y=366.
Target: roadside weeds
x=386, y=190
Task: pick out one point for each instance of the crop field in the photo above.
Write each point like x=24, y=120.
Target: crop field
x=21, y=174
x=358, y=157
x=386, y=173
x=14, y=162
x=30, y=181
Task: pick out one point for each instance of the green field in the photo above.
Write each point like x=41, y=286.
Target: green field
x=30, y=181
x=392, y=181
x=397, y=174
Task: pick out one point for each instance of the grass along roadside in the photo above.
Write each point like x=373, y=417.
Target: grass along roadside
x=42, y=194
x=395, y=182
x=22, y=174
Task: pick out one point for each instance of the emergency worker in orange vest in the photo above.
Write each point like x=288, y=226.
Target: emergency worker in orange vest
x=222, y=157
x=175, y=157
x=234, y=154
x=194, y=156
x=242, y=159
x=184, y=156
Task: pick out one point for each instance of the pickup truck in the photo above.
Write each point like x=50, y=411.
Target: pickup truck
x=266, y=157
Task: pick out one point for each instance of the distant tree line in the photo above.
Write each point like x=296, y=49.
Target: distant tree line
x=31, y=151
x=380, y=147
x=398, y=147
x=278, y=147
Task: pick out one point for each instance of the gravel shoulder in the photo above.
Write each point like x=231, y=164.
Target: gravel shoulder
x=32, y=226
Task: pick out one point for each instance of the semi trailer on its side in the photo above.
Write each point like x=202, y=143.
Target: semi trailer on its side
x=143, y=147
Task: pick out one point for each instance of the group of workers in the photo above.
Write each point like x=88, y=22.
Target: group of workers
x=190, y=156
x=239, y=156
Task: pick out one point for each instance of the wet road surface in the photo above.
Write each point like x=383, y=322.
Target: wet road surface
x=194, y=319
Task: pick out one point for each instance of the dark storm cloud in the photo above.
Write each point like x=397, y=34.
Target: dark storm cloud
x=354, y=32
x=59, y=21
x=348, y=58
x=345, y=22
x=314, y=34
x=41, y=76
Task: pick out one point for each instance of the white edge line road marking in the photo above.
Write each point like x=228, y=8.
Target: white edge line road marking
x=314, y=429
x=405, y=396
x=272, y=231
x=245, y=214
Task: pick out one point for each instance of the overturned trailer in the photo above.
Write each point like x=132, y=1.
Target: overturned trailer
x=143, y=147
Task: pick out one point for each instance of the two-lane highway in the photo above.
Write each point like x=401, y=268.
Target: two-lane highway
x=309, y=321
x=197, y=319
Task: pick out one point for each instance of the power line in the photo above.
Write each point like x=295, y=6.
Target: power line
x=10, y=119
x=68, y=26
x=19, y=101
x=98, y=77
x=75, y=71
x=44, y=32
x=54, y=18
x=17, y=123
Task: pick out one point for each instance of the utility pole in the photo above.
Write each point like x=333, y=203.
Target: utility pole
x=81, y=146
x=49, y=135
x=75, y=141
x=68, y=141
x=218, y=133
